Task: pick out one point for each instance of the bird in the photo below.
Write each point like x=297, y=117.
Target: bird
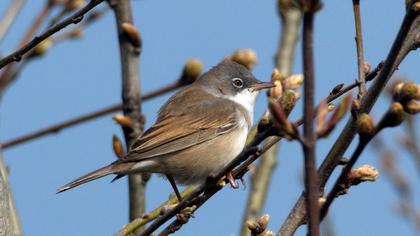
x=198, y=131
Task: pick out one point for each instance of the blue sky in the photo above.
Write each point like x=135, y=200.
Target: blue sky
x=76, y=77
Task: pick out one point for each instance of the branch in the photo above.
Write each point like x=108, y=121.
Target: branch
x=73, y=19
x=9, y=219
x=359, y=45
x=9, y=16
x=76, y=32
x=291, y=18
x=308, y=145
x=130, y=48
x=408, y=39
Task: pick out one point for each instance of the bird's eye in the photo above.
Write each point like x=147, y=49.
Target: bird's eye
x=237, y=82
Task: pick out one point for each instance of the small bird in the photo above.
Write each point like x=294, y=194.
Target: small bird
x=198, y=131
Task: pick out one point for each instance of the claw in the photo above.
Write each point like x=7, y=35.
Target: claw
x=231, y=181
x=186, y=214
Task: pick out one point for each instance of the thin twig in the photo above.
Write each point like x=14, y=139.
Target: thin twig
x=73, y=19
x=359, y=45
x=311, y=176
x=9, y=16
x=83, y=118
x=92, y=17
x=130, y=47
x=408, y=39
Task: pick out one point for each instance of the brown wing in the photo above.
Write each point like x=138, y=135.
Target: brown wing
x=178, y=128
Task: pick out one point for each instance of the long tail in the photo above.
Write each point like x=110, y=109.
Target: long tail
x=109, y=169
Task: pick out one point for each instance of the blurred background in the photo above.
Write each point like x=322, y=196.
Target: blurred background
x=78, y=76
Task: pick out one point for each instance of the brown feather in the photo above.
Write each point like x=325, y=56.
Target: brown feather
x=175, y=128
x=107, y=170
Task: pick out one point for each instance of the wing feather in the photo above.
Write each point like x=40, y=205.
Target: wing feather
x=177, y=128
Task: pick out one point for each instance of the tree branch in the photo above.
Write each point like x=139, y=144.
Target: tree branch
x=359, y=45
x=311, y=176
x=130, y=47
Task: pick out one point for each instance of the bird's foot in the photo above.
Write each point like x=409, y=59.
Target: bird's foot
x=229, y=179
x=186, y=214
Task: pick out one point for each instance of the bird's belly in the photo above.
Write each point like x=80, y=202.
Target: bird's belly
x=195, y=164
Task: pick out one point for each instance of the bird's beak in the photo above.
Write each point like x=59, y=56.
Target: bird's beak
x=260, y=85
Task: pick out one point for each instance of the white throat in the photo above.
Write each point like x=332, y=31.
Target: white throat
x=246, y=99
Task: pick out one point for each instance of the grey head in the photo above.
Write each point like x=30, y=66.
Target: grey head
x=229, y=78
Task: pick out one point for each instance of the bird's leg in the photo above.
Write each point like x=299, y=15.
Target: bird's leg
x=231, y=180
x=173, y=184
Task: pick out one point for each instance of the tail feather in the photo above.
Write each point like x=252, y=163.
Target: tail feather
x=109, y=169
